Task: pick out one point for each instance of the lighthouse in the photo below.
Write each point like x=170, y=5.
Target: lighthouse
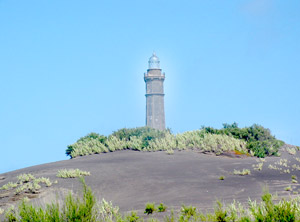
x=154, y=79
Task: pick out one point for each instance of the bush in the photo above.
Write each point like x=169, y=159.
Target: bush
x=187, y=212
x=76, y=209
x=221, y=178
x=188, y=140
x=72, y=173
x=32, y=187
x=288, y=188
x=220, y=213
x=85, y=209
x=44, y=180
x=134, y=143
x=150, y=208
x=93, y=141
x=146, y=134
x=166, y=143
x=259, y=139
x=133, y=217
x=27, y=183
x=161, y=207
x=25, y=178
x=209, y=142
x=249, y=140
x=88, y=147
x=268, y=211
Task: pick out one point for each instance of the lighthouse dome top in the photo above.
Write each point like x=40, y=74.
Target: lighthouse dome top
x=154, y=62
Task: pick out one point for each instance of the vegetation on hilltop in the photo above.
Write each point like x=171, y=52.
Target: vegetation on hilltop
x=254, y=140
x=89, y=142
x=145, y=134
x=259, y=140
x=148, y=139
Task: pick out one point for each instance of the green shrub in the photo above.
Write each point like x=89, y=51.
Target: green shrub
x=76, y=209
x=72, y=173
x=27, y=212
x=135, y=139
x=115, y=143
x=221, y=178
x=220, y=213
x=91, y=143
x=31, y=213
x=268, y=211
x=209, y=142
x=222, y=143
x=288, y=188
x=134, y=143
x=254, y=140
x=88, y=147
x=150, y=208
x=73, y=209
x=259, y=139
x=133, y=217
x=85, y=209
x=11, y=214
x=166, y=143
x=187, y=212
x=161, y=207
x=146, y=134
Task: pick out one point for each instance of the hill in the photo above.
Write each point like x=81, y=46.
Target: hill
x=130, y=179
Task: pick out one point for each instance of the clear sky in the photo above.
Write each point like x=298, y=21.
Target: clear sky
x=68, y=68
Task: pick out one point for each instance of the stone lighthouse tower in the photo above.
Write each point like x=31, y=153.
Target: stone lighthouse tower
x=154, y=79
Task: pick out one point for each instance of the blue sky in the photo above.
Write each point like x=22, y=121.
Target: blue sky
x=68, y=68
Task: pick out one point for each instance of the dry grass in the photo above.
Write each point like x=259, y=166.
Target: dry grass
x=27, y=183
x=242, y=172
x=72, y=173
